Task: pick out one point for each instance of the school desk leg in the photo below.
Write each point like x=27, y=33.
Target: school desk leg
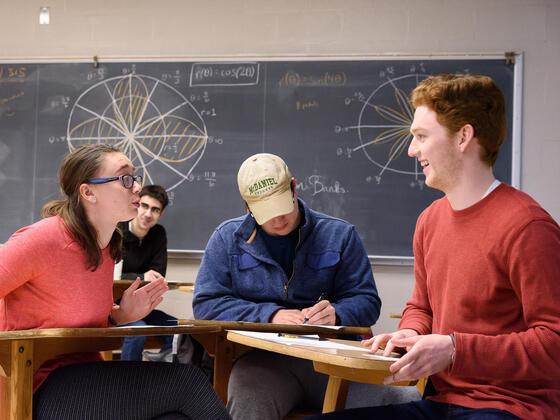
x=17, y=384
x=335, y=396
x=223, y=362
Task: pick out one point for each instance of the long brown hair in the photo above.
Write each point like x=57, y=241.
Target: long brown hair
x=77, y=168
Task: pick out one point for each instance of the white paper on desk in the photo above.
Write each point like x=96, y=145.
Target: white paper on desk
x=312, y=341
x=330, y=327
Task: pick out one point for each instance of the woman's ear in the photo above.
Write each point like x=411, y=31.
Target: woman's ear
x=87, y=194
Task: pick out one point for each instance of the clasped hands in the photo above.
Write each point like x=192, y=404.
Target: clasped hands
x=322, y=313
x=425, y=354
x=137, y=302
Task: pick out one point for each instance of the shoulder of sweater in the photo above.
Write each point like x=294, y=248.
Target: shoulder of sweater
x=50, y=233
x=521, y=204
x=505, y=205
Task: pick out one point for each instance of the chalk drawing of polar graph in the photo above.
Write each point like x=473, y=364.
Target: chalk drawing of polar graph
x=151, y=122
x=384, y=125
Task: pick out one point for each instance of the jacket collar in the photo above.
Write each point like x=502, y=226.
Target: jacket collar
x=256, y=247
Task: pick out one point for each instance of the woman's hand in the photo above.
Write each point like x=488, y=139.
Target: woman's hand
x=137, y=302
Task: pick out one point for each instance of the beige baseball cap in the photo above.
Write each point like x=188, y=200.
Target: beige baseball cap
x=264, y=183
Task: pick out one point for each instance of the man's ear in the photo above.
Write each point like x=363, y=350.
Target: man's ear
x=466, y=136
x=294, y=189
x=87, y=194
x=162, y=213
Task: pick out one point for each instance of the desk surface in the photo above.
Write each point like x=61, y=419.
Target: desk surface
x=119, y=286
x=286, y=328
x=359, y=357
x=104, y=332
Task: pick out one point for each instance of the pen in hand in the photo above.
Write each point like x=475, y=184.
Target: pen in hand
x=323, y=296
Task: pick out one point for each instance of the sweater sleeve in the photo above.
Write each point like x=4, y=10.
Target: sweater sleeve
x=534, y=270
x=417, y=314
x=16, y=258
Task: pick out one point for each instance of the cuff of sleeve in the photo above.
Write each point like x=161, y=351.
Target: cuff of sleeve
x=337, y=319
x=455, y=367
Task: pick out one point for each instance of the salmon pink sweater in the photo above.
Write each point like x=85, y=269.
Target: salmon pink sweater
x=44, y=283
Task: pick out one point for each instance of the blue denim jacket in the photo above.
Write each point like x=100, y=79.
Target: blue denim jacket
x=238, y=281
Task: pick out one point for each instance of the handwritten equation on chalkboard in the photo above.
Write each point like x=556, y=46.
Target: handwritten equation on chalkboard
x=224, y=74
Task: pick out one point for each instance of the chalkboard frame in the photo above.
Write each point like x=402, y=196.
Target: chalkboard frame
x=515, y=57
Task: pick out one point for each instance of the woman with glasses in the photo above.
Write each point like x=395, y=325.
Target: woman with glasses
x=58, y=272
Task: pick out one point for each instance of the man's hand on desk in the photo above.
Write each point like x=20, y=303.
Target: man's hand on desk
x=322, y=313
x=137, y=302
x=151, y=275
x=426, y=354
x=287, y=316
x=386, y=341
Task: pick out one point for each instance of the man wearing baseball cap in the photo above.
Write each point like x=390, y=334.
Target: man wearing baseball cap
x=283, y=263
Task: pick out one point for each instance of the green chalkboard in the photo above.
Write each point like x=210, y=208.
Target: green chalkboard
x=341, y=125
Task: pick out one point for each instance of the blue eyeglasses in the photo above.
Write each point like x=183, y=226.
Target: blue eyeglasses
x=127, y=181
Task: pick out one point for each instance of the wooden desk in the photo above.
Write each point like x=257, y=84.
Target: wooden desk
x=225, y=351
x=341, y=365
x=119, y=286
x=286, y=328
x=23, y=352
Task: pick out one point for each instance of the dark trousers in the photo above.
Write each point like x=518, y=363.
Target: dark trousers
x=134, y=345
x=127, y=390
x=418, y=410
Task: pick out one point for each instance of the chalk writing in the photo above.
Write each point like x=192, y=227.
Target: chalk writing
x=316, y=184
x=12, y=74
x=11, y=98
x=196, y=98
x=60, y=101
x=98, y=74
x=304, y=106
x=206, y=176
x=292, y=78
x=224, y=74
x=174, y=78
x=57, y=139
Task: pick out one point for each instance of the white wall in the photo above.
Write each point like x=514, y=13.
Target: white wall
x=183, y=28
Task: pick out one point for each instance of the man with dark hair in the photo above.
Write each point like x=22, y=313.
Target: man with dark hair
x=145, y=256
x=484, y=320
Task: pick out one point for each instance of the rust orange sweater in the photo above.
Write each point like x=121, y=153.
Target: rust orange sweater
x=44, y=283
x=490, y=274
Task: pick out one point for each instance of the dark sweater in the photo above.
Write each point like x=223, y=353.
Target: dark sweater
x=143, y=254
